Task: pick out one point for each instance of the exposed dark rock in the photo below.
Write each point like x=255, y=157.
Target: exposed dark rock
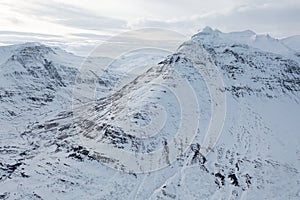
x=221, y=181
x=233, y=179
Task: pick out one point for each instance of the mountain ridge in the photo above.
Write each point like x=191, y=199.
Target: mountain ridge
x=47, y=146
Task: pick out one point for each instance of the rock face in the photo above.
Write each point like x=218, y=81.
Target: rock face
x=49, y=149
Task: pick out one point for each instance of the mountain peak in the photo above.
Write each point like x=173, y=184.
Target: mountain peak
x=247, y=32
x=37, y=48
x=264, y=42
x=32, y=44
x=207, y=29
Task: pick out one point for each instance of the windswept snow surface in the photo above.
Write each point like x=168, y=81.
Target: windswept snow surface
x=51, y=150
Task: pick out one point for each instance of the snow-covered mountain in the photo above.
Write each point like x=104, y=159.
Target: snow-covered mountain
x=49, y=147
x=292, y=42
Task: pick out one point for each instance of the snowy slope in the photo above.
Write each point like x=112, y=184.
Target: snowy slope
x=287, y=47
x=50, y=151
x=292, y=42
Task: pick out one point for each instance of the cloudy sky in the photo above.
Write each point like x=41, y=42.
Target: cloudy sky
x=78, y=25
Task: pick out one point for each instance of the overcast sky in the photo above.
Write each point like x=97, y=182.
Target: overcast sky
x=78, y=24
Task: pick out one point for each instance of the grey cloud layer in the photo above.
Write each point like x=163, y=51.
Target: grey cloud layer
x=72, y=16
x=277, y=19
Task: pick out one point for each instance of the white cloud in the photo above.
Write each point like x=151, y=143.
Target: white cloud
x=276, y=19
x=90, y=20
